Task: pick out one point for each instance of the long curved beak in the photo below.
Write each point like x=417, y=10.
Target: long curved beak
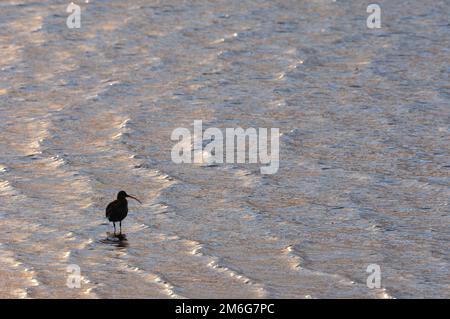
x=134, y=198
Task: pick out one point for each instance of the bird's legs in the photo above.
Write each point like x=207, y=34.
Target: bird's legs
x=114, y=224
x=120, y=224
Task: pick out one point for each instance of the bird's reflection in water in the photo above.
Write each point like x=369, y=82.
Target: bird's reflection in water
x=118, y=240
x=122, y=244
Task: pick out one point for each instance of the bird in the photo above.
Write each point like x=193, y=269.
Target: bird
x=117, y=210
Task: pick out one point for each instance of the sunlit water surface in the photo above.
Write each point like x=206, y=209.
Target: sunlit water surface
x=364, y=148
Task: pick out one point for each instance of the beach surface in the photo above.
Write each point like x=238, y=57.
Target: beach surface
x=364, y=149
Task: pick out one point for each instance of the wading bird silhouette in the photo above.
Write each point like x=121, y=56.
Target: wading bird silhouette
x=117, y=210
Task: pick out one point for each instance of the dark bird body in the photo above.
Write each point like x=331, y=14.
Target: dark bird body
x=117, y=210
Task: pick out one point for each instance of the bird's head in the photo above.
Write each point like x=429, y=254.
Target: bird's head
x=124, y=195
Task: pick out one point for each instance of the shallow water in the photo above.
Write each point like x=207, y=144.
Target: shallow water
x=364, y=149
